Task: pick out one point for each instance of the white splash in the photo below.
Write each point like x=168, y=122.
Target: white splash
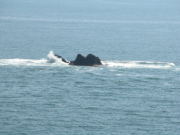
x=51, y=57
x=54, y=60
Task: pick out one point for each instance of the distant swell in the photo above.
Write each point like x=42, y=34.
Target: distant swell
x=86, y=21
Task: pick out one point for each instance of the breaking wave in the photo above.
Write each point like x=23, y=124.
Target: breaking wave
x=54, y=61
x=50, y=61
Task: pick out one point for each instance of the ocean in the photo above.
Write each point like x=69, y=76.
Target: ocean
x=137, y=93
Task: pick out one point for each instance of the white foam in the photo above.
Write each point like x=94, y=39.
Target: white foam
x=177, y=69
x=21, y=62
x=119, y=75
x=51, y=61
x=138, y=64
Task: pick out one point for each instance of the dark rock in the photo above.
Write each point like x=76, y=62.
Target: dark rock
x=61, y=58
x=89, y=60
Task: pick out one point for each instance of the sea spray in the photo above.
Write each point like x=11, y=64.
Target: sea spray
x=51, y=58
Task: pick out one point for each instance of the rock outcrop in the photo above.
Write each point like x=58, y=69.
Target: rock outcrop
x=89, y=60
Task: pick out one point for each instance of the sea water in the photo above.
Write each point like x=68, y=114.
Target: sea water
x=138, y=90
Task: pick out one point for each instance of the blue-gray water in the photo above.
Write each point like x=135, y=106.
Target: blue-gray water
x=137, y=93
